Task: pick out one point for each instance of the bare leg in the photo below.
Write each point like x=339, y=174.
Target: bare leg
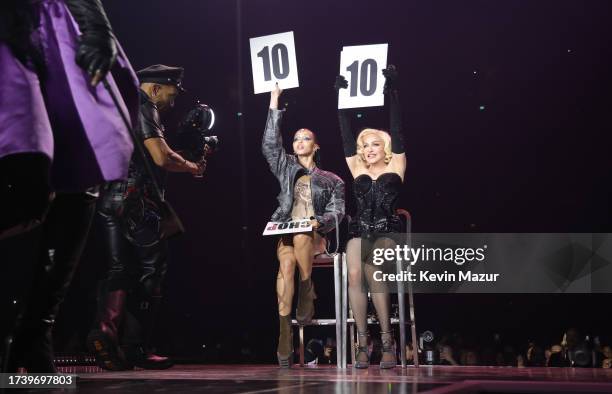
x=284, y=294
x=303, y=244
x=284, y=280
x=304, y=247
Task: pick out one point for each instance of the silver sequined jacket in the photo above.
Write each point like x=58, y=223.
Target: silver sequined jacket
x=327, y=188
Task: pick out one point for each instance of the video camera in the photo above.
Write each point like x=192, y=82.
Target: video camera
x=194, y=137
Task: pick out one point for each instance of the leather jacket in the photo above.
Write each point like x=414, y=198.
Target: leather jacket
x=138, y=184
x=327, y=188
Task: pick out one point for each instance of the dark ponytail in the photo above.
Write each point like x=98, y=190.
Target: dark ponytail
x=317, y=158
x=317, y=154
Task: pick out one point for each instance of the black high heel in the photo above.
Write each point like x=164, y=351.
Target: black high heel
x=388, y=348
x=362, y=364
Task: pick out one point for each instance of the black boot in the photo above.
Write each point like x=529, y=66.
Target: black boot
x=306, y=296
x=31, y=347
x=139, y=349
x=362, y=356
x=103, y=340
x=63, y=238
x=284, y=351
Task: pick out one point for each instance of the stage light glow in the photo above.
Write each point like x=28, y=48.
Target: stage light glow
x=212, y=119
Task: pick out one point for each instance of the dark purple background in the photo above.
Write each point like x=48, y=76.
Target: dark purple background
x=536, y=159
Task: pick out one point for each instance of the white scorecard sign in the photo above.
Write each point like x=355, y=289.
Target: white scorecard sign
x=362, y=67
x=273, y=60
x=296, y=226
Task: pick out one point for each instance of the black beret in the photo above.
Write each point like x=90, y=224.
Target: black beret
x=163, y=75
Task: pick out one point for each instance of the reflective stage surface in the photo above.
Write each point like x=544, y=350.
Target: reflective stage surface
x=327, y=379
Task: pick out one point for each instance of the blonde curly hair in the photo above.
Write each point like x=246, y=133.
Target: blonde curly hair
x=380, y=133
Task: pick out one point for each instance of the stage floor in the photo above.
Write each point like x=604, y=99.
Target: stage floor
x=326, y=379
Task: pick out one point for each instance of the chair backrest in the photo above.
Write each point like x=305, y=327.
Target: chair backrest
x=323, y=257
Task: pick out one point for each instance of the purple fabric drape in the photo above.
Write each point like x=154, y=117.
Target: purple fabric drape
x=61, y=115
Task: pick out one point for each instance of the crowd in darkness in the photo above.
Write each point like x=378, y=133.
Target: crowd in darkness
x=572, y=350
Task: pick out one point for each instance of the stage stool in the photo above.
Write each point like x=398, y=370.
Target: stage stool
x=334, y=260
x=331, y=260
x=401, y=321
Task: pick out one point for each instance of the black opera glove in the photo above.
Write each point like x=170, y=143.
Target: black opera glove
x=97, y=49
x=341, y=83
x=391, y=79
x=391, y=91
x=348, y=140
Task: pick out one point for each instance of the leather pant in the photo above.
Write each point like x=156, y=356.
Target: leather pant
x=127, y=262
x=139, y=270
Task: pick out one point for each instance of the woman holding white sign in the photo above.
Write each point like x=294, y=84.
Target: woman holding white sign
x=377, y=162
x=307, y=192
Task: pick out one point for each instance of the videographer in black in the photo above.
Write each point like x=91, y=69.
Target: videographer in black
x=131, y=215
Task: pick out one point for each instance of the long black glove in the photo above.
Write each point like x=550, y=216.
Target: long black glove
x=97, y=49
x=348, y=140
x=395, y=124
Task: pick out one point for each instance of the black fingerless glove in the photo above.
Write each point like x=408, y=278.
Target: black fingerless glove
x=341, y=83
x=97, y=48
x=391, y=79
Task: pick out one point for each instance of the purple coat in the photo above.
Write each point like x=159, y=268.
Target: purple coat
x=77, y=126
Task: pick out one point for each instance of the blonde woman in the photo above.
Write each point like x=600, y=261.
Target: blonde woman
x=377, y=163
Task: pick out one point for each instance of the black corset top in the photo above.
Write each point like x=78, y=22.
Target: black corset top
x=376, y=203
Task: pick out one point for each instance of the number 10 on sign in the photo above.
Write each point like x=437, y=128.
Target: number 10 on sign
x=362, y=67
x=273, y=60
